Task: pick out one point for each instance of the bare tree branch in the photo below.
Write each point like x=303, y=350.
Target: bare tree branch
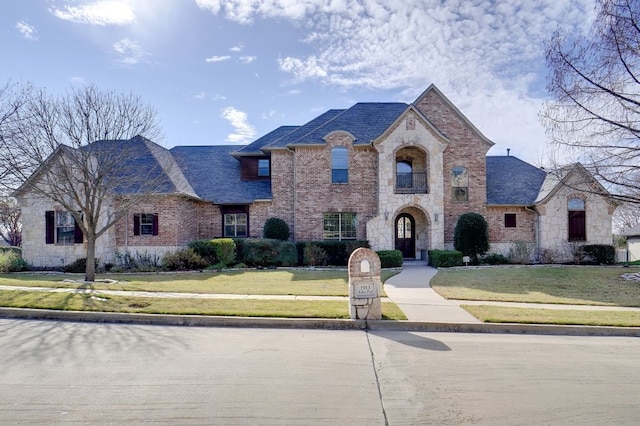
x=82, y=151
x=595, y=84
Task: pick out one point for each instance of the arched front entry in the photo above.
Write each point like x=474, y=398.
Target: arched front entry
x=406, y=235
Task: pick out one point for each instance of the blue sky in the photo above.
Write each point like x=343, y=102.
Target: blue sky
x=228, y=72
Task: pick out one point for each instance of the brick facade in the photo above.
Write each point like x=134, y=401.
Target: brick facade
x=466, y=149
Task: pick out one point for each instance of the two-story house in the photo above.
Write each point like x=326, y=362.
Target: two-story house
x=398, y=175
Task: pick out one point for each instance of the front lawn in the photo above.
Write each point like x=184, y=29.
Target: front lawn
x=577, y=285
x=184, y=306
x=301, y=282
x=504, y=314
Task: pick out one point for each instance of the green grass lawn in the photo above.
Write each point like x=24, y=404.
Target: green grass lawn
x=301, y=282
x=578, y=285
x=150, y=305
x=502, y=314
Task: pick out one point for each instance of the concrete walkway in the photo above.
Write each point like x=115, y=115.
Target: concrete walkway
x=410, y=290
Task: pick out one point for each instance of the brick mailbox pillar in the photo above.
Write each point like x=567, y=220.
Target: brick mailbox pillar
x=365, y=285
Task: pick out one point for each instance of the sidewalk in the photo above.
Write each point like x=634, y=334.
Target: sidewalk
x=411, y=292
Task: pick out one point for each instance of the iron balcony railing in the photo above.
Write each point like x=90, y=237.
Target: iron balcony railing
x=411, y=183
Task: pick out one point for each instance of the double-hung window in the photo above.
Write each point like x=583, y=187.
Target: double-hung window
x=145, y=224
x=339, y=226
x=577, y=220
x=263, y=167
x=61, y=228
x=339, y=165
x=235, y=225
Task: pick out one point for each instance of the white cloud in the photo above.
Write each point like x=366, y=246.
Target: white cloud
x=28, y=32
x=97, y=13
x=219, y=98
x=200, y=95
x=129, y=51
x=487, y=57
x=303, y=69
x=77, y=81
x=237, y=48
x=247, y=59
x=244, y=132
x=218, y=58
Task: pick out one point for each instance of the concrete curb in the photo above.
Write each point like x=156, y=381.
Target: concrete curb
x=326, y=324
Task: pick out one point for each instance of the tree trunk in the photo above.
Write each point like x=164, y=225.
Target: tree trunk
x=90, y=272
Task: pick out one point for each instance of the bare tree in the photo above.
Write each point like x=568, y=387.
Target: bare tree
x=10, y=225
x=78, y=151
x=595, y=84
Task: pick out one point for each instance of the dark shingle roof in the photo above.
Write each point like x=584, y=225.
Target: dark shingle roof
x=365, y=121
x=255, y=148
x=137, y=167
x=214, y=174
x=511, y=181
x=305, y=129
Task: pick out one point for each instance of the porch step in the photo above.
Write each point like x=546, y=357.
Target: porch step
x=414, y=262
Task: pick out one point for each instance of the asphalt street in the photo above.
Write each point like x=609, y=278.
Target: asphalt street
x=86, y=373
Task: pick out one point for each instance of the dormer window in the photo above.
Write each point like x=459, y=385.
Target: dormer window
x=263, y=167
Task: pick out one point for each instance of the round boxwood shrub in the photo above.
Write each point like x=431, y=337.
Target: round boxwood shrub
x=276, y=229
x=471, y=235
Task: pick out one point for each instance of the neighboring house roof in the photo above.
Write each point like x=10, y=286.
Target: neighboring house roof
x=215, y=175
x=632, y=232
x=255, y=148
x=365, y=121
x=511, y=181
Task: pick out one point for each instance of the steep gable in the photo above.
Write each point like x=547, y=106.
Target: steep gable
x=442, y=112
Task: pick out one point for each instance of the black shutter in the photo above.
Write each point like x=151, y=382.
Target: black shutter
x=155, y=224
x=50, y=230
x=78, y=237
x=136, y=224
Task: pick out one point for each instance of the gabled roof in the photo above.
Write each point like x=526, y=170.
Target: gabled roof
x=215, y=175
x=562, y=176
x=511, y=181
x=433, y=89
x=255, y=148
x=365, y=121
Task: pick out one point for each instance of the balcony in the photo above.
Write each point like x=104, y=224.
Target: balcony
x=411, y=183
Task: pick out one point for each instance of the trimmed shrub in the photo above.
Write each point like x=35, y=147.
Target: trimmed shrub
x=267, y=253
x=338, y=252
x=11, y=261
x=225, y=250
x=495, y=259
x=390, y=258
x=183, y=260
x=78, y=266
x=602, y=254
x=445, y=258
x=205, y=249
x=276, y=229
x=471, y=235
x=314, y=255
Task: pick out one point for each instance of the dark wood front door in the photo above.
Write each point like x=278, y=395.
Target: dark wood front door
x=406, y=235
